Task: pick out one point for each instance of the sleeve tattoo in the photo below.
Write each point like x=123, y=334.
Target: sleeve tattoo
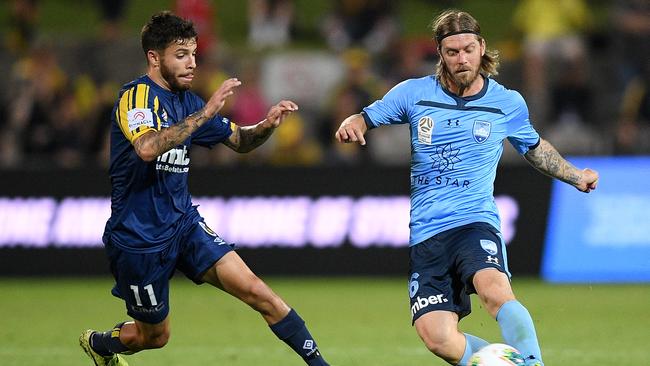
x=548, y=160
x=245, y=139
x=158, y=143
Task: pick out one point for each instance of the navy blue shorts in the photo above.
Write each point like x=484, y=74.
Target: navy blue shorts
x=142, y=279
x=443, y=266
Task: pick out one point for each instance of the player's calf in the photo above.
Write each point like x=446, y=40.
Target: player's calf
x=139, y=335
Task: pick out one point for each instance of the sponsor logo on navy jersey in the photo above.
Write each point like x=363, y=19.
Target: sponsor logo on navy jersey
x=176, y=160
x=139, y=117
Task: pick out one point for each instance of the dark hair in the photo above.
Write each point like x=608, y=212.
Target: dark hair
x=452, y=22
x=164, y=28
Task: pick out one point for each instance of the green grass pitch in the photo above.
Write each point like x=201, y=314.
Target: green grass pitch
x=356, y=321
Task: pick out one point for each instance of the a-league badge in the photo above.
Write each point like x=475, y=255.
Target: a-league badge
x=425, y=130
x=481, y=131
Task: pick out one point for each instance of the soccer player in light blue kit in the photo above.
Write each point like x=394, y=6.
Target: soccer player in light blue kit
x=458, y=120
x=154, y=228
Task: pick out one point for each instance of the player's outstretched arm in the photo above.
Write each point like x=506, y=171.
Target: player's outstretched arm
x=245, y=139
x=548, y=160
x=352, y=129
x=153, y=144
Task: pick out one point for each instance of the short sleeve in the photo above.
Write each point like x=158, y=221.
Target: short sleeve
x=521, y=133
x=216, y=130
x=391, y=109
x=137, y=112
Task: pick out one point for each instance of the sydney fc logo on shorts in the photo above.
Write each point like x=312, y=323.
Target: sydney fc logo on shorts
x=481, y=131
x=489, y=246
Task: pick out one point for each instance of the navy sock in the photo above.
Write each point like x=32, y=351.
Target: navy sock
x=292, y=330
x=108, y=343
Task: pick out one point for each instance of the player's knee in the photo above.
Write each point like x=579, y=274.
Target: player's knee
x=261, y=298
x=257, y=292
x=157, y=339
x=494, y=298
x=494, y=293
x=439, y=346
x=439, y=341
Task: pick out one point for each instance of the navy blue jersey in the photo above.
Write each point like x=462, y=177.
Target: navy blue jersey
x=150, y=201
x=456, y=144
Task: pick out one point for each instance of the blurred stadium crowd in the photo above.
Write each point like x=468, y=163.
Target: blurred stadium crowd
x=586, y=81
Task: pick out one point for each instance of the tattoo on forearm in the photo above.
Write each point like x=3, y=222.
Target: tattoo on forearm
x=245, y=139
x=548, y=160
x=254, y=137
x=234, y=140
x=170, y=137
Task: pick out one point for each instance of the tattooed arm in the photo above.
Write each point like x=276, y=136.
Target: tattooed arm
x=548, y=160
x=153, y=144
x=245, y=139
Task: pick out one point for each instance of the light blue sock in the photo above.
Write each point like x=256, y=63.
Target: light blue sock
x=518, y=330
x=472, y=345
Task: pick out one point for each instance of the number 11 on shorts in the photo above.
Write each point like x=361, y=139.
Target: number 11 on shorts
x=149, y=289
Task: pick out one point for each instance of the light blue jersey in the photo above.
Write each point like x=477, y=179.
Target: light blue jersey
x=456, y=144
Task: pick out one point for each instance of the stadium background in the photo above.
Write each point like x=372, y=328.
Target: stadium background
x=63, y=61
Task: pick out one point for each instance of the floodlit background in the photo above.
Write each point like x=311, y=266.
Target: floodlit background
x=325, y=224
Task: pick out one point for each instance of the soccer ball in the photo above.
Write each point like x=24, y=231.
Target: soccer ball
x=497, y=354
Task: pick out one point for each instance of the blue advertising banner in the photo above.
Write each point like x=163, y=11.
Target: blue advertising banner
x=603, y=236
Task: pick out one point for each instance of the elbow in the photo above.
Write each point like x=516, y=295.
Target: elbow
x=147, y=155
x=245, y=149
x=144, y=147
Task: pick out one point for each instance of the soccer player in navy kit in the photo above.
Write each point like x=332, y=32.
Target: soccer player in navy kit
x=154, y=229
x=458, y=119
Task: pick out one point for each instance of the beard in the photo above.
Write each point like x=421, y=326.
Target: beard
x=172, y=79
x=466, y=79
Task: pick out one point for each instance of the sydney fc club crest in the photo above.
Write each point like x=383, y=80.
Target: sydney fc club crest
x=481, y=131
x=489, y=246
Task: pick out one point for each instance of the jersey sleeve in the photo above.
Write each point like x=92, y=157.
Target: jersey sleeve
x=521, y=133
x=138, y=111
x=391, y=109
x=216, y=130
